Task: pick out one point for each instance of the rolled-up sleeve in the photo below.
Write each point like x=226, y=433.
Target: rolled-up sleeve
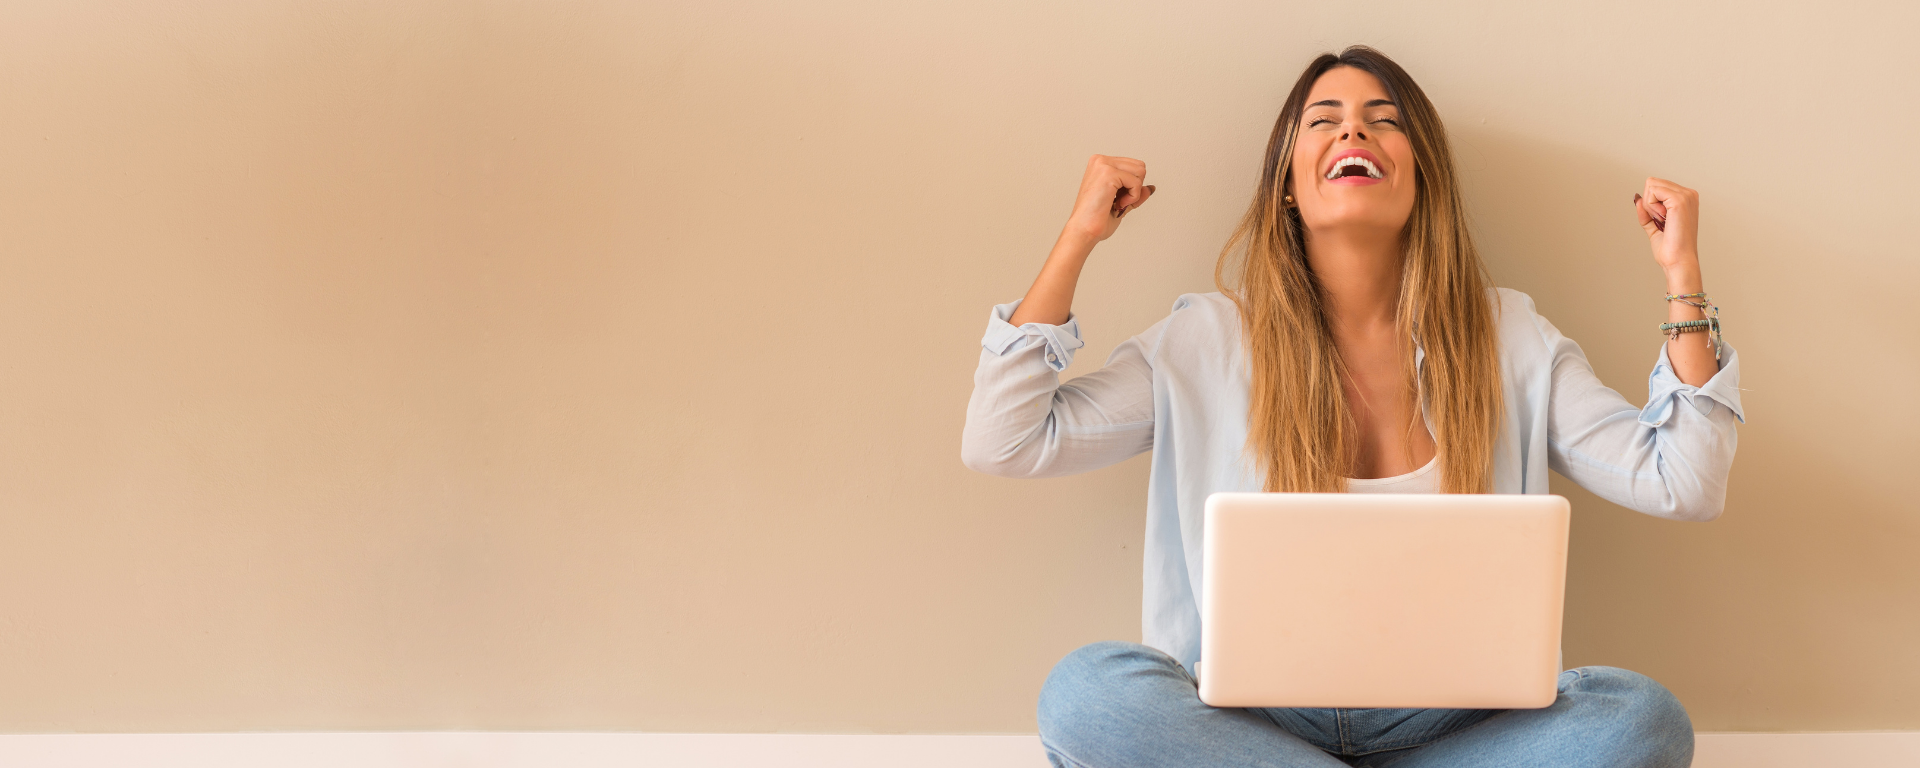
x=1669, y=458
x=1023, y=422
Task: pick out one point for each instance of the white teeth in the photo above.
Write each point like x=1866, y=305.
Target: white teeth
x=1372, y=171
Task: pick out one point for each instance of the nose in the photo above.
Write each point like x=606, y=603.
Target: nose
x=1353, y=132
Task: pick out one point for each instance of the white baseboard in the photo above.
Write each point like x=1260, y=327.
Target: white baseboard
x=1853, y=749
x=669, y=750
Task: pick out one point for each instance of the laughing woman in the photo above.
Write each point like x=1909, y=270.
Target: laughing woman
x=1355, y=345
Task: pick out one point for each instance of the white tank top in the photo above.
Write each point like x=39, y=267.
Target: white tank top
x=1422, y=480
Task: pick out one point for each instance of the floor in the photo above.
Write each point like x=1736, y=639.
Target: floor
x=594, y=750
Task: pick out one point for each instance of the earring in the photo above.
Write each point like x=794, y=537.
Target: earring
x=1288, y=199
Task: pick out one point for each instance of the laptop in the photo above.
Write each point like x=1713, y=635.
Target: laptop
x=1382, y=600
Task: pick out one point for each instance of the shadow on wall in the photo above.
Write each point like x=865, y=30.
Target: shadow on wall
x=1806, y=584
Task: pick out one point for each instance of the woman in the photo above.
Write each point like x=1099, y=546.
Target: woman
x=1356, y=345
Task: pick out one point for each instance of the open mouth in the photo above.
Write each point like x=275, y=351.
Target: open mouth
x=1355, y=163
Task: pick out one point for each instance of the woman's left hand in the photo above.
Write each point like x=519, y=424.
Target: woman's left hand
x=1670, y=214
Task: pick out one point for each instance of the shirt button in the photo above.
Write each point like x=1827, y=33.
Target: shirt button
x=1051, y=358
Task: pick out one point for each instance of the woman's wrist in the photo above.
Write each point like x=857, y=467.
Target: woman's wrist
x=1072, y=246
x=1684, y=278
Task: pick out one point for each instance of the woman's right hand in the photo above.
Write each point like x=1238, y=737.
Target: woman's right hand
x=1112, y=187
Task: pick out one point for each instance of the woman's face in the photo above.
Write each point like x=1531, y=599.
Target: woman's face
x=1352, y=164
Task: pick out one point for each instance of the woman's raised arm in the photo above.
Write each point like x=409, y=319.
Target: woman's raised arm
x=1670, y=458
x=1021, y=421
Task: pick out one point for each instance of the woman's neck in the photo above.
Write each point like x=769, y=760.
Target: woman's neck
x=1359, y=274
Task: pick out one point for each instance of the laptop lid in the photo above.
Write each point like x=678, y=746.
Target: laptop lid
x=1382, y=600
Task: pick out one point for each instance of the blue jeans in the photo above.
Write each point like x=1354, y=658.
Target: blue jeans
x=1125, y=705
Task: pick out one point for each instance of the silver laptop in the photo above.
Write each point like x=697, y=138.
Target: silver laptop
x=1382, y=600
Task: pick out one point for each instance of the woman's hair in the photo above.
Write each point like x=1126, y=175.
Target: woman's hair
x=1301, y=430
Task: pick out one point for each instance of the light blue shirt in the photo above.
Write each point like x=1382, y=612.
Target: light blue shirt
x=1180, y=389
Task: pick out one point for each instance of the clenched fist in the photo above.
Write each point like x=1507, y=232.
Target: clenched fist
x=1111, y=188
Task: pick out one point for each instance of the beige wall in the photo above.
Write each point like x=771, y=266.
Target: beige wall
x=602, y=366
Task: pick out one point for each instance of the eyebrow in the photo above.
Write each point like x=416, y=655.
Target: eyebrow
x=1336, y=103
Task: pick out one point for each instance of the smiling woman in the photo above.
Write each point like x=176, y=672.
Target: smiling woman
x=1356, y=345
x=1384, y=249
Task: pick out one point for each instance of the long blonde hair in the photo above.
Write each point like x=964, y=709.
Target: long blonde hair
x=1300, y=427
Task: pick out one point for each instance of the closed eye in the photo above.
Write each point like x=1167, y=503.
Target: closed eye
x=1324, y=119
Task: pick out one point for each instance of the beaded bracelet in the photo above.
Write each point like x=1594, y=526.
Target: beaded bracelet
x=1711, y=325
x=1686, y=326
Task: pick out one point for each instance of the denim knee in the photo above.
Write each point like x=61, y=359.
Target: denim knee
x=1643, y=709
x=1096, y=685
